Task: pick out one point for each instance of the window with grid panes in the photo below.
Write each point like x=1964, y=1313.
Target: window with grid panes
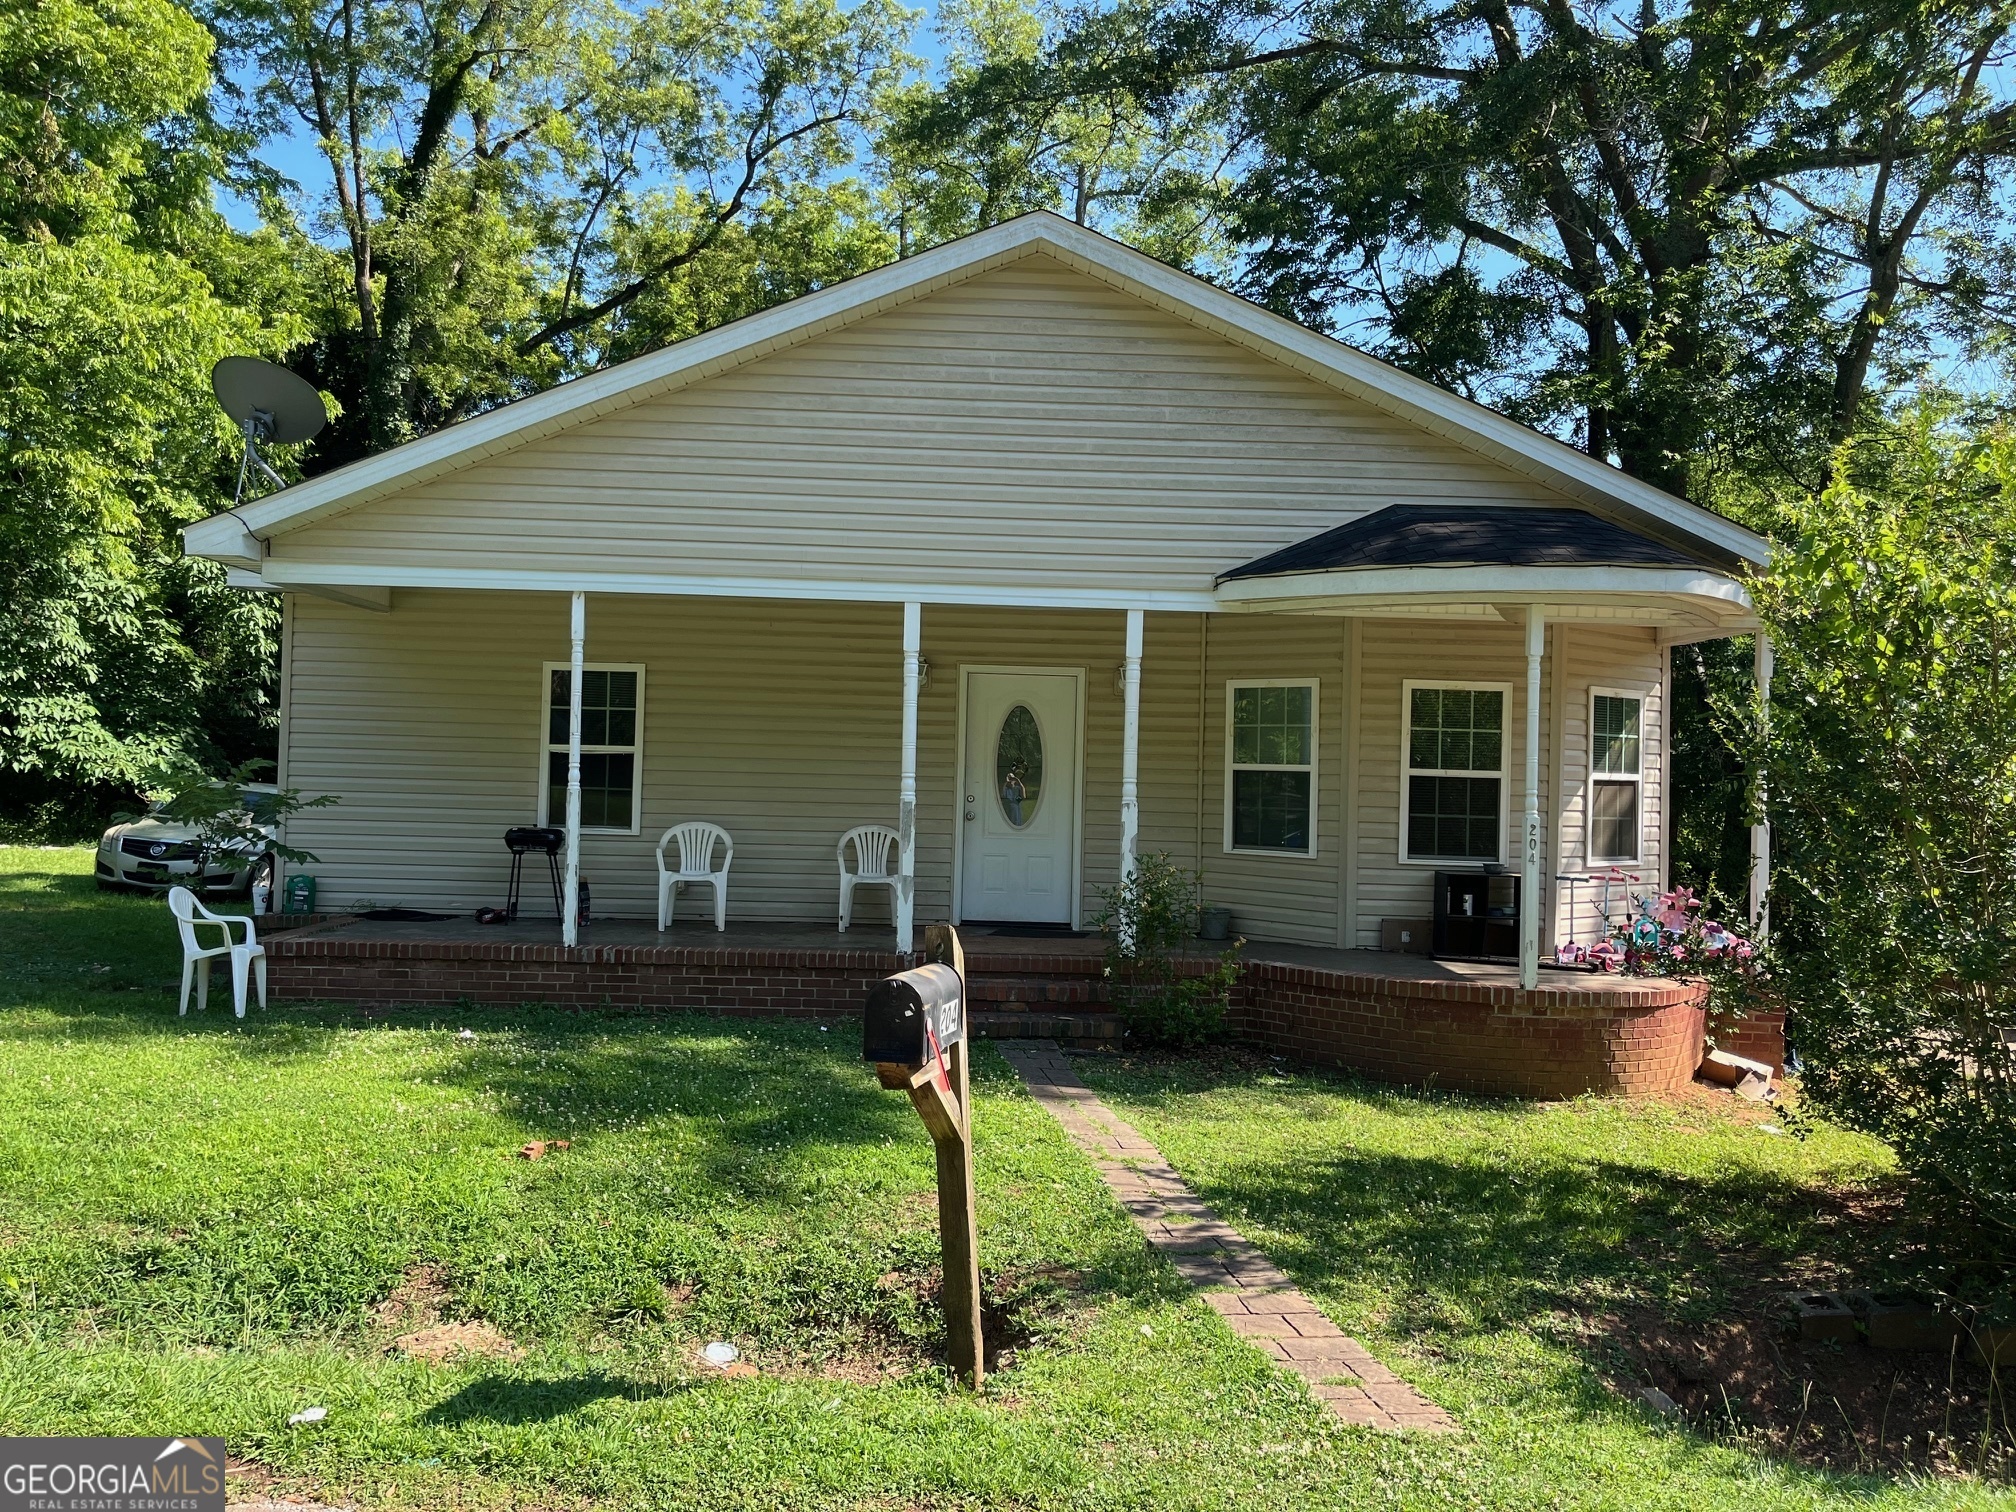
x=611, y=725
x=1455, y=774
x=1271, y=789
x=1616, y=776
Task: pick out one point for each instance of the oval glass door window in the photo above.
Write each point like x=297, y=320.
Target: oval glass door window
x=1018, y=766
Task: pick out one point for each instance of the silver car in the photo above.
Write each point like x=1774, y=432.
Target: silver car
x=157, y=853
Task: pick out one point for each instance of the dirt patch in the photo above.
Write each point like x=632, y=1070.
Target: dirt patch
x=412, y=1321
x=1836, y=1404
x=253, y=1487
x=448, y=1341
x=417, y=1302
x=1017, y=1309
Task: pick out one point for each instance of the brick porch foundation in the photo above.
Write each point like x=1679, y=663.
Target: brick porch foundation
x=1574, y=1034
x=1570, y=1035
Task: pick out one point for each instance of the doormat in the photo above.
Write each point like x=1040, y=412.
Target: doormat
x=1037, y=932
x=403, y=916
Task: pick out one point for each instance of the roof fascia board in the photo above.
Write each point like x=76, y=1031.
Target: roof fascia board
x=1488, y=583
x=360, y=577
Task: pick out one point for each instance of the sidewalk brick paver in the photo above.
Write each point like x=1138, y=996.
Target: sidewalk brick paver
x=1255, y=1298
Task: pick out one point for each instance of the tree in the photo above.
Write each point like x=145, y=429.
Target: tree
x=1685, y=233
x=1105, y=160
x=84, y=88
x=1891, y=751
x=115, y=652
x=512, y=184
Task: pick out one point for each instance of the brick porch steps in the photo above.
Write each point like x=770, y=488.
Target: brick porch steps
x=1081, y=1031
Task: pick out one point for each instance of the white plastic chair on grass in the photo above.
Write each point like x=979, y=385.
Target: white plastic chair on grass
x=696, y=842
x=246, y=956
x=874, y=865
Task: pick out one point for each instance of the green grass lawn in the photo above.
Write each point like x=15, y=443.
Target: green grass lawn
x=206, y=1225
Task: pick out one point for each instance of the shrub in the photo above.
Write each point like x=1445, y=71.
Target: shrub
x=1148, y=921
x=1891, y=754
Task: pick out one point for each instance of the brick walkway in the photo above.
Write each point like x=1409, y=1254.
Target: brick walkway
x=1255, y=1298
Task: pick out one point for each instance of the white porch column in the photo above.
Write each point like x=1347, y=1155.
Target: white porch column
x=1130, y=747
x=570, y=896
x=906, y=792
x=1529, y=867
x=1760, y=829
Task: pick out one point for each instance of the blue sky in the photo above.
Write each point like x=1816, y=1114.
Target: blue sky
x=295, y=155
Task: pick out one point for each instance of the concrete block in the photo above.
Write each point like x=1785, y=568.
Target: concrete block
x=1995, y=1343
x=1898, y=1320
x=1822, y=1315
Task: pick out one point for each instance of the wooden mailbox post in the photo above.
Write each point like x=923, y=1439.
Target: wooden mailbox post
x=914, y=1030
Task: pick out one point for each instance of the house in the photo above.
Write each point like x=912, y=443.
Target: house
x=1037, y=549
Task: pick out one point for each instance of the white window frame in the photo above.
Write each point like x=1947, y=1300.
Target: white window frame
x=546, y=746
x=1409, y=771
x=1590, y=860
x=1313, y=766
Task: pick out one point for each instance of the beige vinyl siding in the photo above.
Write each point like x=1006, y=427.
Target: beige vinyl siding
x=1430, y=650
x=1028, y=429
x=1630, y=661
x=1277, y=897
x=778, y=721
x=781, y=720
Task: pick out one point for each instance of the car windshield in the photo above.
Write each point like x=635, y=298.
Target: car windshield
x=248, y=800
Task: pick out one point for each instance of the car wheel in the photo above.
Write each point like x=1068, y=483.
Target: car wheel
x=260, y=872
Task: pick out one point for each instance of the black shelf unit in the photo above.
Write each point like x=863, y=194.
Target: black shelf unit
x=1476, y=916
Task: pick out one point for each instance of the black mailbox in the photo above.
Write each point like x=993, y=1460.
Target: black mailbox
x=912, y=1016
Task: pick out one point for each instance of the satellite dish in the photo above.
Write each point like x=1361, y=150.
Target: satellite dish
x=270, y=404
x=274, y=404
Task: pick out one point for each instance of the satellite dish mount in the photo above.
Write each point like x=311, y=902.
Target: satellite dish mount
x=271, y=405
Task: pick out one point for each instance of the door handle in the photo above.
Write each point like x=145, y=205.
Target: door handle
x=969, y=814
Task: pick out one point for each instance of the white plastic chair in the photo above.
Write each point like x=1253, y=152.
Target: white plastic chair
x=190, y=916
x=874, y=865
x=696, y=841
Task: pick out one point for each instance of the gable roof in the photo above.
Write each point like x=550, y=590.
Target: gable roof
x=1468, y=535
x=1599, y=487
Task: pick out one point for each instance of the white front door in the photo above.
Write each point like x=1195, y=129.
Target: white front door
x=1019, y=819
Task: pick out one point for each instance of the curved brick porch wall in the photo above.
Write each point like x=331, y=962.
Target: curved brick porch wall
x=1569, y=1036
